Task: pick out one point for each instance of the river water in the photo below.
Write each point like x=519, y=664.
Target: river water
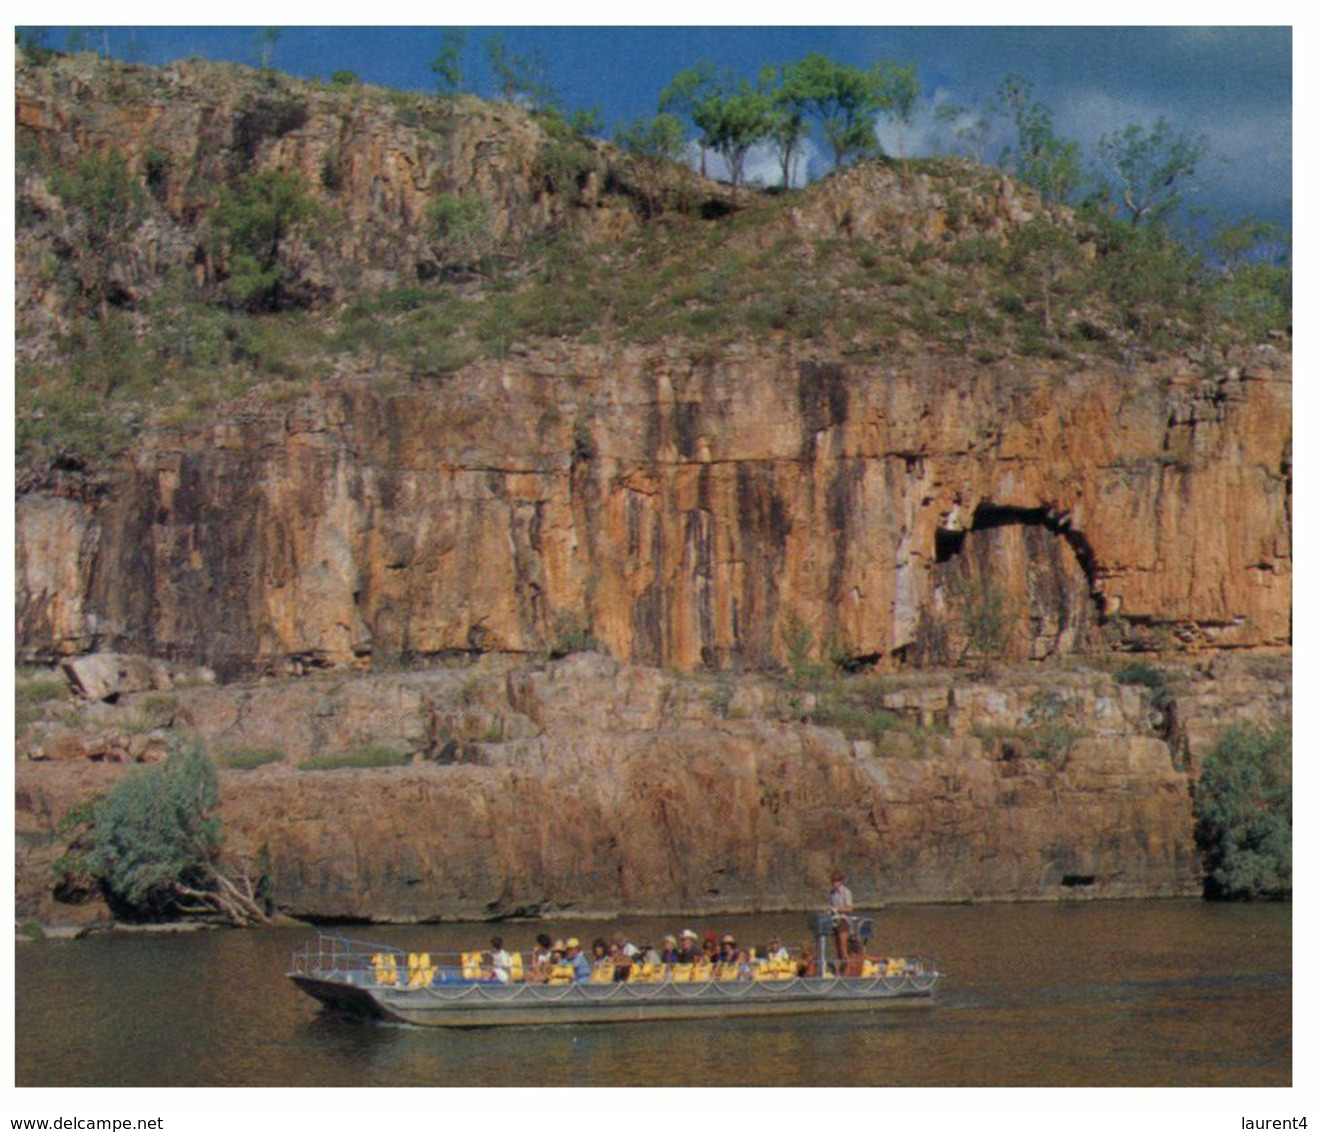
x=1159, y=993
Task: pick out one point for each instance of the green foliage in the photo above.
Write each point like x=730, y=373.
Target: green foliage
x=1254, y=291
x=31, y=44
x=249, y=758
x=1243, y=814
x=1043, y=160
x=986, y=617
x=344, y=79
x=105, y=205
x=571, y=634
x=1044, y=258
x=255, y=222
x=362, y=757
x=518, y=78
x=460, y=230
x=660, y=137
x=1145, y=675
x=447, y=65
x=845, y=99
x=154, y=837
x=40, y=689
x=731, y=115
x=857, y=722
x=1148, y=170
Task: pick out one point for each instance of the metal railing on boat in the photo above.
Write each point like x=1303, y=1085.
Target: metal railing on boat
x=331, y=957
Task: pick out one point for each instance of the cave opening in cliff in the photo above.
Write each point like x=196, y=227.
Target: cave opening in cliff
x=1022, y=572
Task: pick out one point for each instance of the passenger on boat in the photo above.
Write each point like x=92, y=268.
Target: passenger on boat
x=687, y=951
x=501, y=963
x=574, y=958
x=599, y=951
x=776, y=952
x=622, y=962
x=668, y=953
x=839, y=902
x=745, y=965
x=542, y=958
x=727, y=952
x=855, y=962
x=807, y=964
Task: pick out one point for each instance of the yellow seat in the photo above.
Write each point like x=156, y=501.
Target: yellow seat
x=659, y=973
x=471, y=965
x=869, y=969
x=561, y=973
x=728, y=971
x=896, y=966
x=602, y=972
x=515, y=971
x=681, y=972
x=701, y=972
x=420, y=973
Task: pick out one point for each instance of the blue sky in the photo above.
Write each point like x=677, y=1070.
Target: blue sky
x=1232, y=84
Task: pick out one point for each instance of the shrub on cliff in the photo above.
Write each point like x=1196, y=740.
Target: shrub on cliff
x=1243, y=814
x=153, y=845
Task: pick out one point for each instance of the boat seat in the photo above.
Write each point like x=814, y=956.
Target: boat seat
x=896, y=966
x=386, y=969
x=681, y=972
x=727, y=972
x=561, y=973
x=869, y=969
x=701, y=972
x=471, y=965
x=515, y=971
x=602, y=972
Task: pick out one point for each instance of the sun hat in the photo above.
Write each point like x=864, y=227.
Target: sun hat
x=729, y=939
x=573, y=942
x=687, y=933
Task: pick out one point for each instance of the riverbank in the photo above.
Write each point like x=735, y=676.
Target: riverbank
x=510, y=789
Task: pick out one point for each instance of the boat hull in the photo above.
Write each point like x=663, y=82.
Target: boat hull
x=488, y=1004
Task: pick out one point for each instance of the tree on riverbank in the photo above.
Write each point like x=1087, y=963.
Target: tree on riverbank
x=153, y=844
x=1243, y=812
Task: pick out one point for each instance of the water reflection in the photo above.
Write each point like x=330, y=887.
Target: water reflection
x=1149, y=993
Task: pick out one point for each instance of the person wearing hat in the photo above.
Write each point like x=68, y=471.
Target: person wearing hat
x=668, y=952
x=727, y=952
x=573, y=957
x=839, y=902
x=688, y=950
x=776, y=952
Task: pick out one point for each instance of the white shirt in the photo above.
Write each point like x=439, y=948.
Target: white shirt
x=501, y=964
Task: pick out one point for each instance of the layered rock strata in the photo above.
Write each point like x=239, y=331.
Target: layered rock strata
x=587, y=785
x=685, y=511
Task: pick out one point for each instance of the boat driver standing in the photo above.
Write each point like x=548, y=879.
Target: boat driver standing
x=839, y=903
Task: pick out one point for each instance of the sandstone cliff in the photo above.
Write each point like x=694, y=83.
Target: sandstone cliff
x=701, y=499
x=684, y=512
x=678, y=793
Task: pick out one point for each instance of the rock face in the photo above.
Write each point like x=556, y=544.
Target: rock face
x=589, y=785
x=685, y=512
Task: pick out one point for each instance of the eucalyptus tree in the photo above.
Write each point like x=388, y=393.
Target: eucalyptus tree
x=788, y=122
x=731, y=115
x=447, y=66
x=1149, y=171
x=845, y=100
x=1042, y=159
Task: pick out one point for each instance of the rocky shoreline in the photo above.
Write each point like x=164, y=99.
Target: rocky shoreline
x=584, y=786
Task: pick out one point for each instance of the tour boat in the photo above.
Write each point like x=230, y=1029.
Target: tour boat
x=373, y=980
